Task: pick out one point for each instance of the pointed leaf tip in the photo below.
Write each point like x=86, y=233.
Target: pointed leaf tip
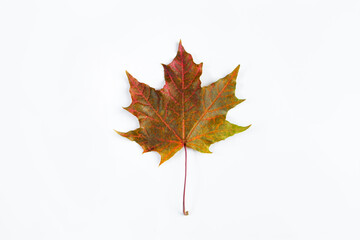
x=181, y=47
x=128, y=75
x=120, y=133
x=131, y=79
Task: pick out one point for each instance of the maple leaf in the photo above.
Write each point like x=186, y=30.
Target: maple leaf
x=182, y=113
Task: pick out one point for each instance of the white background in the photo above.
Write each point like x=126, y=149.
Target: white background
x=65, y=174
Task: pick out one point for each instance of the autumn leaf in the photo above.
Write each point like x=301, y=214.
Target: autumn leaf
x=182, y=113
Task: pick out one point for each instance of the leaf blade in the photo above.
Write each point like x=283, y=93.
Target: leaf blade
x=182, y=112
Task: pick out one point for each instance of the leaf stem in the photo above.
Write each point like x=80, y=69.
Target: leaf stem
x=185, y=212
